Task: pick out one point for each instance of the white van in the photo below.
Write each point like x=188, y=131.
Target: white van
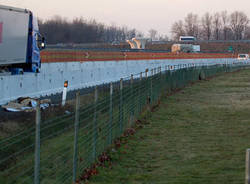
x=243, y=56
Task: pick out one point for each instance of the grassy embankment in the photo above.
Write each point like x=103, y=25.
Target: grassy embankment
x=198, y=135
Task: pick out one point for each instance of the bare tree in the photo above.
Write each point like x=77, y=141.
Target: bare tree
x=163, y=38
x=225, y=24
x=206, y=23
x=60, y=30
x=192, y=25
x=139, y=34
x=177, y=30
x=220, y=25
x=152, y=34
x=238, y=23
x=247, y=33
x=217, y=25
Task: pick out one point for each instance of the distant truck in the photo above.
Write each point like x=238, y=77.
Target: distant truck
x=196, y=48
x=187, y=39
x=20, y=41
x=185, y=48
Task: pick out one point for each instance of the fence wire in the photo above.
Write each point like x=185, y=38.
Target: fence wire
x=57, y=150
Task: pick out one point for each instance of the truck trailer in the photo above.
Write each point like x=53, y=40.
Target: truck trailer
x=185, y=48
x=20, y=41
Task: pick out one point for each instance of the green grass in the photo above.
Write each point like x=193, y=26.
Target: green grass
x=198, y=135
x=57, y=137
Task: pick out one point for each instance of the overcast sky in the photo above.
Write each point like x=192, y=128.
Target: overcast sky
x=140, y=14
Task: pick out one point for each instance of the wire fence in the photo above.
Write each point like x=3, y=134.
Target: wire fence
x=59, y=149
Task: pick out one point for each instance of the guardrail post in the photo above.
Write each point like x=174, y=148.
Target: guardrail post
x=77, y=107
x=64, y=95
x=95, y=123
x=110, y=113
x=247, y=180
x=121, y=106
x=37, y=144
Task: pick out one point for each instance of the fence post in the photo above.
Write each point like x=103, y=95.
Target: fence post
x=121, y=106
x=37, y=144
x=140, y=93
x=148, y=90
x=132, y=100
x=151, y=86
x=95, y=123
x=161, y=82
x=110, y=113
x=77, y=107
x=247, y=166
x=155, y=70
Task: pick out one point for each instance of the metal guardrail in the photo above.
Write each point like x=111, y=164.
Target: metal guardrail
x=60, y=149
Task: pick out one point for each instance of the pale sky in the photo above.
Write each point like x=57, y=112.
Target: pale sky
x=140, y=14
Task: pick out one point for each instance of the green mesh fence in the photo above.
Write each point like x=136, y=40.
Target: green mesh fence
x=59, y=149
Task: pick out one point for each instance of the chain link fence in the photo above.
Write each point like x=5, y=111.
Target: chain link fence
x=59, y=149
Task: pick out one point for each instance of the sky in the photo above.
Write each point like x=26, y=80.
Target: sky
x=140, y=14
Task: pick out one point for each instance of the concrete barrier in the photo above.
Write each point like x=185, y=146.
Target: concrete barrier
x=81, y=75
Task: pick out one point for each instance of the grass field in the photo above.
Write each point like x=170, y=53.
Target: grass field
x=198, y=135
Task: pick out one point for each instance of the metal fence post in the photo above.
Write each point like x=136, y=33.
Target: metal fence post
x=37, y=144
x=155, y=70
x=140, y=94
x=132, y=100
x=95, y=123
x=161, y=82
x=77, y=107
x=110, y=112
x=247, y=180
x=148, y=90
x=151, y=86
x=121, y=106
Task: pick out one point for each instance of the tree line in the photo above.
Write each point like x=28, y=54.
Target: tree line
x=60, y=30
x=217, y=26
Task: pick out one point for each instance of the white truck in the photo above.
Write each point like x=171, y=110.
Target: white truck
x=20, y=41
x=185, y=48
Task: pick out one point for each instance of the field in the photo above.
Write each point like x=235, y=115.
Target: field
x=198, y=135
